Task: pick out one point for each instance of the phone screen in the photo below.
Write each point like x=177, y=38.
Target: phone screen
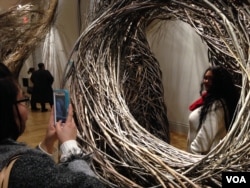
x=61, y=103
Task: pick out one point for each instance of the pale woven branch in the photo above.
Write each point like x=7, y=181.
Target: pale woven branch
x=116, y=89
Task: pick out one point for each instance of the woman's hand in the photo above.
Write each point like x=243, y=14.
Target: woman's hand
x=51, y=137
x=66, y=131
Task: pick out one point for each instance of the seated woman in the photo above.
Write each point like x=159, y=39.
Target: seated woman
x=35, y=167
x=212, y=114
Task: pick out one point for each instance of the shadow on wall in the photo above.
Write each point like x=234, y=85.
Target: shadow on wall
x=183, y=58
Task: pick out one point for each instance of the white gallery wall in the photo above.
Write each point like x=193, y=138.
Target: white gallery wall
x=183, y=59
x=59, y=42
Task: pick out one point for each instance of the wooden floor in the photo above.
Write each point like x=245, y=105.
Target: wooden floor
x=37, y=123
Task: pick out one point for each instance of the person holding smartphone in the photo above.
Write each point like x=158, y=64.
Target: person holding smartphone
x=35, y=166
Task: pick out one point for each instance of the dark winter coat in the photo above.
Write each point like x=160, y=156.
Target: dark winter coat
x=35, y=169
x=42, y=89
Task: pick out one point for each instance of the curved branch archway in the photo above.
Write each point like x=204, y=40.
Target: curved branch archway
x=117, y=93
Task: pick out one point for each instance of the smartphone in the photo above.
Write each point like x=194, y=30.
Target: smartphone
x=61, y=104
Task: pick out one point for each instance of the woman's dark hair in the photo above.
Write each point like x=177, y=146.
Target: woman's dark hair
x=4, y=71
x=31, y=69
x=40, y=65
x=222, y=89
x=8, y=95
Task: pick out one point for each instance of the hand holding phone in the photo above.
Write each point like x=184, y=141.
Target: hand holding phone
x=69, y=130
x=61, y=104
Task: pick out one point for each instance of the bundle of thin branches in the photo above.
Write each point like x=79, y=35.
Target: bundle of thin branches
x=117, y=93
x=22, y=28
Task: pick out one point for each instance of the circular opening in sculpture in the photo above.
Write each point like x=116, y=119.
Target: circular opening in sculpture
x=118, y=80
x=116, y=90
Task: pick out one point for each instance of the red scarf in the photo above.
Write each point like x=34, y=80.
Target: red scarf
x=199, y=102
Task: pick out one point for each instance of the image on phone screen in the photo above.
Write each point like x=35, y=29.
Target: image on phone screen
x=60, y=105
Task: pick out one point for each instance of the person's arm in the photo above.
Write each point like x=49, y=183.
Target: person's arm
x=32, y=78
x=50, y=77
x=66, y=134
x=69, y=149
x=47, y=144
x=72, y=157
x=35, y=169
x=209, y=130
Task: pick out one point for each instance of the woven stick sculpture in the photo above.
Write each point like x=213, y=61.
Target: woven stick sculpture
x=22, y=29
x=116, y=91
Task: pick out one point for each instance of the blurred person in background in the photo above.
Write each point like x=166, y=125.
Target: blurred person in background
x=42, y=87
x=30, y=90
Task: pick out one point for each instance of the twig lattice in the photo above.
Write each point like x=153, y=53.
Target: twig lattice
x=117, y=94
x=116, y=90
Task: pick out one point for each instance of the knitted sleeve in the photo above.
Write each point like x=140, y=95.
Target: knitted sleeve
x=39, y=170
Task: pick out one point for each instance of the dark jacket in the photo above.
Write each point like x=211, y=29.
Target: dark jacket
x=38, y=170
x=42, y=89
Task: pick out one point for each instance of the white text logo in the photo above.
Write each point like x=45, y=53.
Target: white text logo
x=235, y=179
